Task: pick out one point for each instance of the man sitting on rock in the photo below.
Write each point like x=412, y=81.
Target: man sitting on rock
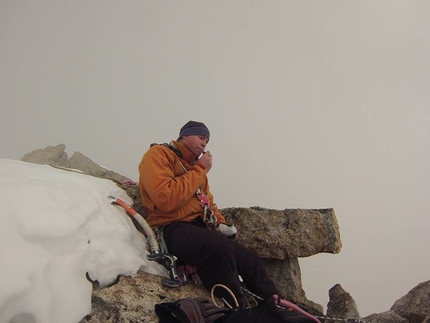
x=175, y=193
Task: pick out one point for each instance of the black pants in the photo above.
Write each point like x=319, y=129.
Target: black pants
x=219, y=260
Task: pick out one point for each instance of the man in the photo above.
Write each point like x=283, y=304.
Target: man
x=175, y=193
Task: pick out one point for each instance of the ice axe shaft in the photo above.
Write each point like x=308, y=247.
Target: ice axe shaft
x=158, y=255
x=150, y=235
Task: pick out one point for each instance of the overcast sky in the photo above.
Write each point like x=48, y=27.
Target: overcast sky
x=311, y=104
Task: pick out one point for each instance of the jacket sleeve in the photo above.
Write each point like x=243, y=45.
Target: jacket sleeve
x=167, y=191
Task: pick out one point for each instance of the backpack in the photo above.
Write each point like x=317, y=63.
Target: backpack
x=199, y=310
x=190, y=310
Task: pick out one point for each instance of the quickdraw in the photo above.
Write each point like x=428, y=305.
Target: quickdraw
x=208, y=215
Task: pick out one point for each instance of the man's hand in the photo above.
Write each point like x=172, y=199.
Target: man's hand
x=205, y=161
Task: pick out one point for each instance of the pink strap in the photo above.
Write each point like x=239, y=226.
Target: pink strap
x=291, y=306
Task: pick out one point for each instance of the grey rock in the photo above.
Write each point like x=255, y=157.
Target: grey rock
x=415, y=305
x=287, y=276
x=133, y=299
x=51, y=155
x=286, y=234
x=87, y=166
x=133, y=191
x=384, y=317
x=341, y=305
x=57, y=157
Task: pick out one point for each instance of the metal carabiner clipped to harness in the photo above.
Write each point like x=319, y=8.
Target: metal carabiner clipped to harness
x=208, y=215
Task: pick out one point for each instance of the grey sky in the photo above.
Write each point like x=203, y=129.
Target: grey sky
x=310, y=104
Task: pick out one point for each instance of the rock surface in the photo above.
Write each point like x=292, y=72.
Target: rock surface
x=133, y=299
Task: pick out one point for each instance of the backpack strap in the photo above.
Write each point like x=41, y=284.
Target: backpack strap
x=171, y=146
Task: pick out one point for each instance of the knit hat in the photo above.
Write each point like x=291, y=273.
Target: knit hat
x=194, y=128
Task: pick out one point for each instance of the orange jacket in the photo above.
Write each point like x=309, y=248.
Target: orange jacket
x=168, y=192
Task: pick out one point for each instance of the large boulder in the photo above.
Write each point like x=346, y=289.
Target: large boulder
x=286, y=234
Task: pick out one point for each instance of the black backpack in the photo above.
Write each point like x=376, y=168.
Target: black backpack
x=200, y=310
x=190, y=310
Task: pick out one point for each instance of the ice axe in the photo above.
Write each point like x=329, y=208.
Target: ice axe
x=157, y=254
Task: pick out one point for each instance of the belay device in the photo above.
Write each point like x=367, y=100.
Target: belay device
x=157, y=254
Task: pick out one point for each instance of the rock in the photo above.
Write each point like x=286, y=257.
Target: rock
x=341, y=305
x=133, y=299
x=415, y=305
x=287, y=276
x=385, y=317
x=57, y=157
x=54, y=156
x=281, y=236
x=133, y=191
x=286, y=234
x=87, y=166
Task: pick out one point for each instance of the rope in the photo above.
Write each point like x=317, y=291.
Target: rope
x=357, y=320
x=228, y=290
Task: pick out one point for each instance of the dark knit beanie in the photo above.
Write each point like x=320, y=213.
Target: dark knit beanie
x=194, y=128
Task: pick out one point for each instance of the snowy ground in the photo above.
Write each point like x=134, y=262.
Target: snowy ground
x=55, y=227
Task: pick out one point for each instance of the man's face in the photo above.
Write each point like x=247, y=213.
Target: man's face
x=195, y=143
